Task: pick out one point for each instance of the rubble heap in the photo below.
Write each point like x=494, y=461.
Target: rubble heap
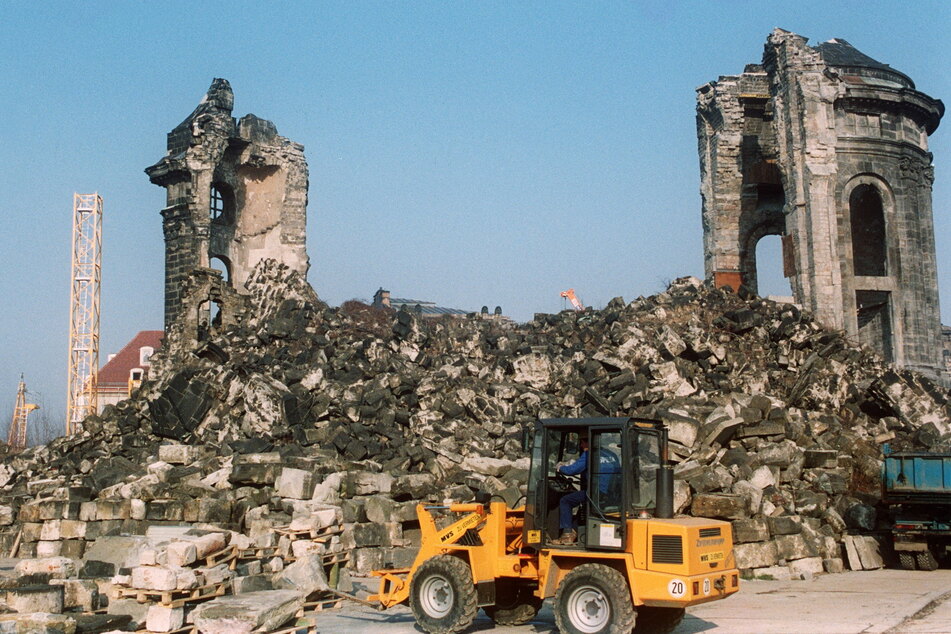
x=775, y=423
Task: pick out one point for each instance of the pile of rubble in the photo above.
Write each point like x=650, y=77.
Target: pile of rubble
x=775, y=423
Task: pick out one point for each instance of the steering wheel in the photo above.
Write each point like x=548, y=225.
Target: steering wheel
x=562, y=483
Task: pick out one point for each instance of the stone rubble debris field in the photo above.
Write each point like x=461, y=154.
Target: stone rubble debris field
x=261, y=469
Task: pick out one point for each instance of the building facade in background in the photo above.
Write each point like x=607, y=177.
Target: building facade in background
x=126, y=370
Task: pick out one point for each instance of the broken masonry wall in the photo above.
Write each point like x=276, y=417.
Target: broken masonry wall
x=236, y=194
x=827, y=148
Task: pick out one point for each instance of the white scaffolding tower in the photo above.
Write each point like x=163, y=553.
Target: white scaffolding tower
x=84, y=310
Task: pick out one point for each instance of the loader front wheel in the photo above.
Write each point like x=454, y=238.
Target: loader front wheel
x=594, y=599
x=442, y=595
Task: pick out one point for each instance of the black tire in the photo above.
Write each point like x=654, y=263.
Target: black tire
x=594, y=599
x=926, y=561
x=515, y=605
x=442, y=595
x=906, y=560
x=652, y=620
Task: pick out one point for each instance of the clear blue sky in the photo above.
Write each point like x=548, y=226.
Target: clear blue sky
x=467, y=153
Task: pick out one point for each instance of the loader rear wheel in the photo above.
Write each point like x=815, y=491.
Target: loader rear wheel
x=906, y=560
x=594, y=599
x=515, y=605
x=652, y=620
x=926, y=560
x=442, y=595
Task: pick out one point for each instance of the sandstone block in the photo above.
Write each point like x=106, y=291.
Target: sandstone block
x=38, y=598
x=719, y=505
x=80, y=594
x=163, y=619
x=756, y=555
x=296, y=484
x=154, y=578
x=181, y=553
x=242, y=614
x=807, y=567
x=58, y=567
x=750, y=530
x=306, y=575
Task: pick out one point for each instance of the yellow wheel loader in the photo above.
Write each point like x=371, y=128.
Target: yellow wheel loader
x=631, y=564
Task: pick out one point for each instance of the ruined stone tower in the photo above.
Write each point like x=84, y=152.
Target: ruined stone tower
x=237, y=193
x=827, y=148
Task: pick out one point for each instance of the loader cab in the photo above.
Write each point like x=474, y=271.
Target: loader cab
x=616, y=479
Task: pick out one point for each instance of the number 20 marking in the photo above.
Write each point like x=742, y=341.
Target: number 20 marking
x=676, y=588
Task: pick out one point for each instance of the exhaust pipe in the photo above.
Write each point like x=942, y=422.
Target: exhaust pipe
x=665, y=492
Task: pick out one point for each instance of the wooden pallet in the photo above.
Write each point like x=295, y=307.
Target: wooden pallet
x=174, y=598
x=262, y=552
x=228, y=555
x=313, y=534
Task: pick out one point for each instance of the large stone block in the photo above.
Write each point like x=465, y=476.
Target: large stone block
x=719, y=505
x=37, y=598
x=245, y=613
x=37, y=623
x=756, y=555
x=164, y=619
x=750, y=530
x=296, y=484
x=793, y=547
x=306, y=575
x=79, y=594
x=154, y=578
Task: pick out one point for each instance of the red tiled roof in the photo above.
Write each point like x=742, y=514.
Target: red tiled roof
x=116, y=371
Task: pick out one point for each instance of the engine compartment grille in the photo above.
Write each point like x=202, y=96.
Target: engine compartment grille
x=667, y=549
x=710, y=532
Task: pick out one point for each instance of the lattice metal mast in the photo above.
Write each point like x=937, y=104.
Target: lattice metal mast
x=84, y=309
x=16, y=438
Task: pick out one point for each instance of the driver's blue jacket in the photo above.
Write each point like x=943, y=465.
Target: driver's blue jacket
x=610, y=465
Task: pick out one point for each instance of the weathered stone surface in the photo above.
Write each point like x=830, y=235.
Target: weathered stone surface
x=786, y=128
x=750, y=530
x=35, y=598
x=37, y=623
x=719, y=505
x=756, y=555
x=242, y=614
x=306, y=575
x=164, y=619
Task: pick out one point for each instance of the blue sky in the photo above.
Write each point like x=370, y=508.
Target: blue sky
x=466, y=153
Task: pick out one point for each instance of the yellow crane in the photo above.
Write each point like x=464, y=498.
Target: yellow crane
x=16, y=438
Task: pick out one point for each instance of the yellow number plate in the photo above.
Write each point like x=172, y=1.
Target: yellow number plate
x=708, y=557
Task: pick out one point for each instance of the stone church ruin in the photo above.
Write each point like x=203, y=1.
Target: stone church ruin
x=828, y=148
x=237, y=194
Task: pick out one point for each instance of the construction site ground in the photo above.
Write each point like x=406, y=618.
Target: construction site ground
x=850, y=603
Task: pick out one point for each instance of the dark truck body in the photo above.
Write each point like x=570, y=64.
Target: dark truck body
x=917, y=488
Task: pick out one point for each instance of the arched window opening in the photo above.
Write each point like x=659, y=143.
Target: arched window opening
x=221, y=264
x=221, y=208
x=770, y=280
x=215, y=316
x=867, y=216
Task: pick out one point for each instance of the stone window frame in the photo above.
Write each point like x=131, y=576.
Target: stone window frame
x=221, y=203
x=887, y=195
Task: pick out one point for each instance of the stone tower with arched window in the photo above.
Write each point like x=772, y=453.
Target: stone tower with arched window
x=236, y=194
x=828, y=148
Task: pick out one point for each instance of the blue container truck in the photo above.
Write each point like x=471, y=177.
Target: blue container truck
x=916, y=486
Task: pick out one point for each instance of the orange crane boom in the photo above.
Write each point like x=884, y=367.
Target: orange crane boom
x=571, y=297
